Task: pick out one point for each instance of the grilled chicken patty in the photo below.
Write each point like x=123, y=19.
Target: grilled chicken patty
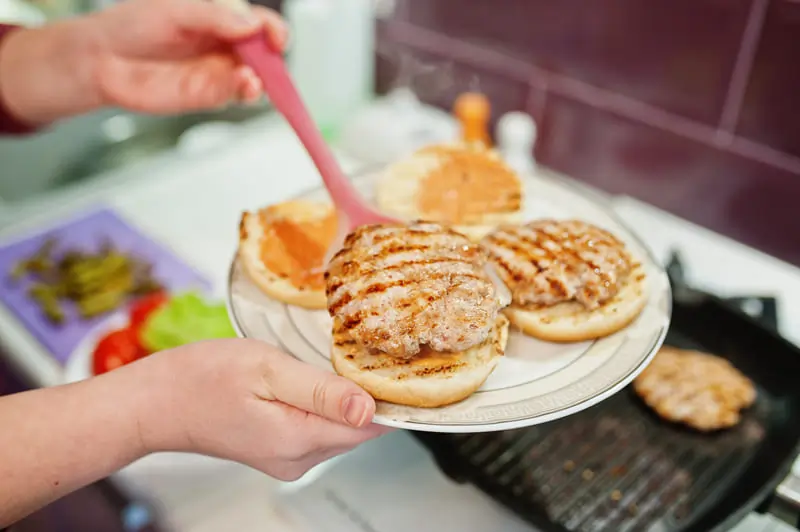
x=547, y=262
x=396, y=288
x=701, y=390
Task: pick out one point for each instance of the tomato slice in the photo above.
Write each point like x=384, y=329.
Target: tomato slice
x=116, y=349
x=142, y=308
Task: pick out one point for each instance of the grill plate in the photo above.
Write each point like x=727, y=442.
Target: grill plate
x=619, y=467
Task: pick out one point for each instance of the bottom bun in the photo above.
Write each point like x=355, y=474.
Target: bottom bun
x=571, y=322
x=428, y=380
x=275, y=286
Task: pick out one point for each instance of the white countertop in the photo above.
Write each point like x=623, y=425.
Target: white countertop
x=193, y=203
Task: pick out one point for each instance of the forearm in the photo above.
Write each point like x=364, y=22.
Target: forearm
x=56, y=440
x=48, y=73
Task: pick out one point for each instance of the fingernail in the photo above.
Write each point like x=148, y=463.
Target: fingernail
x=355, y=410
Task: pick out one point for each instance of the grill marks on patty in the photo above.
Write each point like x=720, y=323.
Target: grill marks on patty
x=548, y=262
x=396, y=288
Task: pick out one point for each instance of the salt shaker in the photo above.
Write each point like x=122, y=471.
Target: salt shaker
x=516, y=136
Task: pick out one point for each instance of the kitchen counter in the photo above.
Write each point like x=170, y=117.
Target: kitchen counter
x=192, y=202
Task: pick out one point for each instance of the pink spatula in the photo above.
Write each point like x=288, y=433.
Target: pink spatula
x=259, y=53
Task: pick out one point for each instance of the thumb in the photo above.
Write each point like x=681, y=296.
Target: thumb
x=225, y=23
x=320, y=392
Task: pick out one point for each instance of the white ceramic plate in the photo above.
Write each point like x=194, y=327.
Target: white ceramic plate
x=535, y=381
x=79, y=363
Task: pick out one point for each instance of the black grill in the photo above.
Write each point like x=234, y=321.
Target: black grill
x=612, y=467
x=618, y=467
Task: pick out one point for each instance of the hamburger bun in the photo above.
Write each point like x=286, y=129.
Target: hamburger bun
x=571, y=322
x=467, y=187
x=428, y=380
x=570, y=281
x=282, y=248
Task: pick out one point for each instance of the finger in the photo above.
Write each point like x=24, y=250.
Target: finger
x=294, y=470
x=310, y=435
x=250, y=88
x=317, y=391
x=274, y=25
x=326, y=448
x=164, y=87
x=306, y=440
x=326, y=435
x=204, y=17
x=301, y=467
x=226, y=24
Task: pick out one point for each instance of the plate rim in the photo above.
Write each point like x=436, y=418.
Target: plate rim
x=604, y=205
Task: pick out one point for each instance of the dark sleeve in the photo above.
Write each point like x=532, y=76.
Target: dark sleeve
x=9, y=124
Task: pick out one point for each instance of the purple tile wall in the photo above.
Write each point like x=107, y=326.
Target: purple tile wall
x=671, y=53
x=691, y=105
x=769, y=112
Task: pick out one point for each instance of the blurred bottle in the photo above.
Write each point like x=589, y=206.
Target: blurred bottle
x=330, y=56
x=394, y=126
x=473, y=111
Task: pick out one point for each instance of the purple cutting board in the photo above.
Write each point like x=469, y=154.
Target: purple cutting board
x=86, y=232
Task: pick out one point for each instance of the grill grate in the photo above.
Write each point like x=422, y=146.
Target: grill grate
x=612, y=467
x=618, y=467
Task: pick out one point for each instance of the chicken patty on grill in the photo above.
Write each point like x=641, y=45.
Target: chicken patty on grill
x=547, y=262
x=398, y=287
x=703, y=391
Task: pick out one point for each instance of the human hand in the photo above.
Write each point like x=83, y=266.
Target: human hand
x=246, y=401
x=152, y=56
x=166, y=56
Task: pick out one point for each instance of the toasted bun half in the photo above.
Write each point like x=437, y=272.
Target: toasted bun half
x=252, y=232
x=571, y=322
x=467, y=187
x=428, y=380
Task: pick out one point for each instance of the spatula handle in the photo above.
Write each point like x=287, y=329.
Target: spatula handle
x=260, y=54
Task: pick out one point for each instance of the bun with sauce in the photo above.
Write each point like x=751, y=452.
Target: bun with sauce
x=570, y=281
x=465, y=186
x=416, y=316
x=282, y=248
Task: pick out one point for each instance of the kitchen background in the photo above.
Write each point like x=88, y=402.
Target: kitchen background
x=687, y=106
x=690, y=105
